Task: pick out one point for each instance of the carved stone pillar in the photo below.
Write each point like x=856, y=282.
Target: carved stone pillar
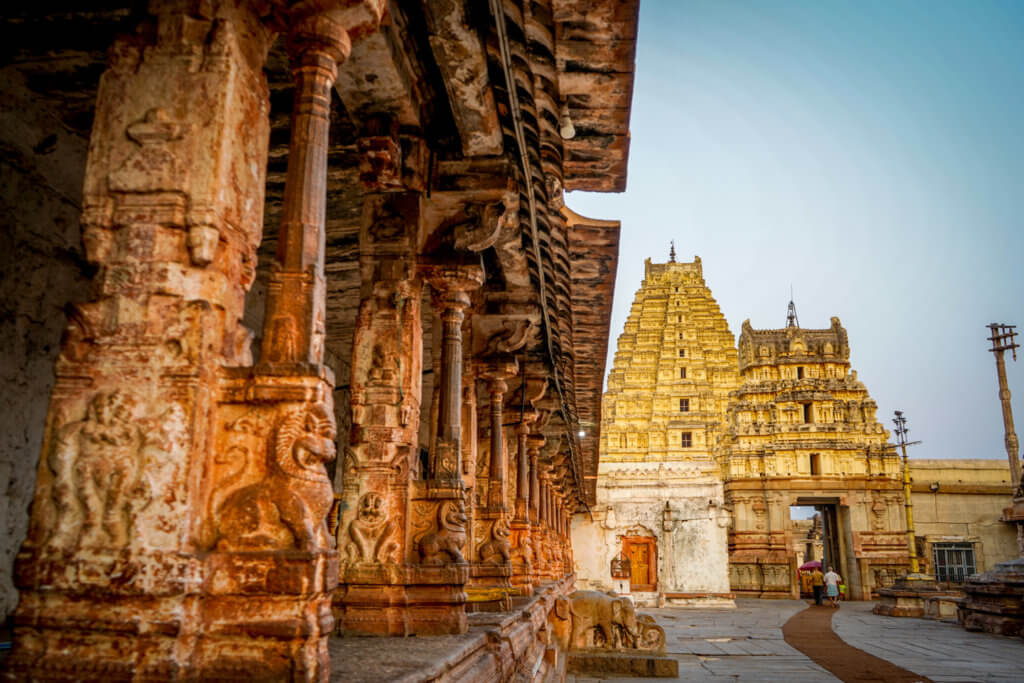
x=490, y=584
x=144, y=559
x=452, y=286
x=544, y=521
x=523, y=470
x=496, y=374
x=375, y=532
x=439, y=519
x=522, y=554
x=293, y=328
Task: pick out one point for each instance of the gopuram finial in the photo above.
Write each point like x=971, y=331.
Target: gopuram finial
x=672, y=251
x=791, y=319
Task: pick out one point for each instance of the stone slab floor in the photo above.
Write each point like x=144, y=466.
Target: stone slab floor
x=746, y=644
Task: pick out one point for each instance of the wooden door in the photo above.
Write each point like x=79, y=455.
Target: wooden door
x=643, y=563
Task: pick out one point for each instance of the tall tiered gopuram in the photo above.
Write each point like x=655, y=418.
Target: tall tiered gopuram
x=802, y=431
x=659, y=496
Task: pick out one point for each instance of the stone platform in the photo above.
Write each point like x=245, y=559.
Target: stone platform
x=910, y=595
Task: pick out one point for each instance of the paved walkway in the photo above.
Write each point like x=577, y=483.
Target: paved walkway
x=746, y=644
x=940, y=650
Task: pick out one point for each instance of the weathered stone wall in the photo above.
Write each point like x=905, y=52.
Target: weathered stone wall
x=41, y=169
x=681, y=507
x=966, y=506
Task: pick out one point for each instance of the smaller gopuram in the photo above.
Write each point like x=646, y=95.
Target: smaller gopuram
x=659, y=496
x=802, y=431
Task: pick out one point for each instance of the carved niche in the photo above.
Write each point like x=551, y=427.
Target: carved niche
x=288, y=506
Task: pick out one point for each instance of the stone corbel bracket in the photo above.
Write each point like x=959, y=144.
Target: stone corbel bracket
x=510, y=328
x=472, y=202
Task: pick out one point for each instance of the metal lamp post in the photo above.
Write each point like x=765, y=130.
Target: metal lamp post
x=901, y=438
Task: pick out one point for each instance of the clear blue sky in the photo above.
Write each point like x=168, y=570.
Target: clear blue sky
x=869, y=153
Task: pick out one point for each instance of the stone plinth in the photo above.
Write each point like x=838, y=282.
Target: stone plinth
x=605, y=664
x=995, y=600
x=908, y=595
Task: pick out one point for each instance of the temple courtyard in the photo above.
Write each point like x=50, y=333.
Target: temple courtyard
x=747, y=644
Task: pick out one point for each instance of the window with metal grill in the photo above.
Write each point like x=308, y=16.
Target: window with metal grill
x=684, y=405
x=687, y=440
x=954, y=562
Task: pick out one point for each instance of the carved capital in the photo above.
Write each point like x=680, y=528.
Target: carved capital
x=497, y=369
x=319, y=41
x=453, y=284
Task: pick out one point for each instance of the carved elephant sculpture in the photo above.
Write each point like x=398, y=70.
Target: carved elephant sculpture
x=602, y=620
x=592, y=619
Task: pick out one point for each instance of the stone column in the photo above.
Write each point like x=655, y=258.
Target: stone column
x=438, y=525
x=522, y=471
x=497, y=387
x=522, y=555
x=534, y=443
x=293, y=328
x=545, y=528
x=161, y=438
x=375, y=531
x=452, y=285
x=490, y=585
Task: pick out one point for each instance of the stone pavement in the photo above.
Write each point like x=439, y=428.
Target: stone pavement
x=940, y=650
x=746, y=644
x=742, y=644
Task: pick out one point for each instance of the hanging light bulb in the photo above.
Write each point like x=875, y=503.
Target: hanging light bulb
x=565, y=127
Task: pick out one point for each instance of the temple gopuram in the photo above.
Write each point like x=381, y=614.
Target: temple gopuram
x=706, y=447
x=329, y=333
x=802, y=431
x=660, y=499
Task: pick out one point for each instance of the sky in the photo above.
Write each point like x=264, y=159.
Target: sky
x=868, y=154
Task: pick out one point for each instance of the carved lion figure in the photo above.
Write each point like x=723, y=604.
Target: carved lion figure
x=289, y=507
x=496, y=550
x=445, y=545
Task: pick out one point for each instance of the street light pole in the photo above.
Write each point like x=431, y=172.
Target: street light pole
x=1002, y=341
x=901, y=436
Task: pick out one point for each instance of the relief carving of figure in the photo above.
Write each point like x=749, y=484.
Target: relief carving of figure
x=288, y=508
x=370, y=530
x=445, y=545
x=96, y=463
x=878, y=515
x=496, y=551
x=383, y=368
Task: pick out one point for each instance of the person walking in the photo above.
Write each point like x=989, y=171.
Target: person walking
x=817, y=584
x=832, y=586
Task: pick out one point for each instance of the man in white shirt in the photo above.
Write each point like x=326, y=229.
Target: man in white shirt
x=832, y=586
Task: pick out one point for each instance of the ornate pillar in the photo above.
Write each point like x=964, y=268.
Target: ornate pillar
x=375, y=531
x=379, y=531
x=293, y=327
x=452, y=286
x=439, y=520
x=162, y=438
x=490, y=584
x=534, y=443
x=545, y=528
x=522, y=555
